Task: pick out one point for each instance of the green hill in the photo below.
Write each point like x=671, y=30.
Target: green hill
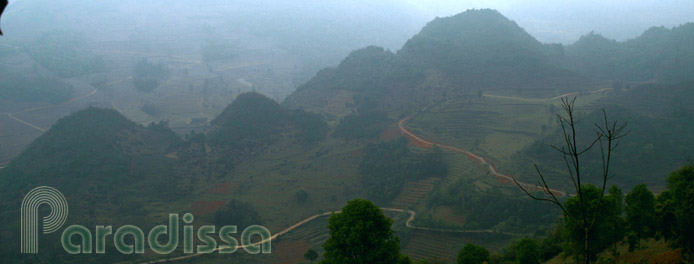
x=659, y=54
x=109, y=169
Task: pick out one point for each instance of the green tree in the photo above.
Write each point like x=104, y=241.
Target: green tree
x=361, y=234
x=586, y=215
x=311, y=255
x=600, y=235
x=238, y=213
x=665, y=215
x=473, y=254
x=527, y=251
x=640, y=208
x=616, y=220
x=681, y=185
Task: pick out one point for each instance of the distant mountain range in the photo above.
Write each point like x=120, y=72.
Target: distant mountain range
x=97, y=156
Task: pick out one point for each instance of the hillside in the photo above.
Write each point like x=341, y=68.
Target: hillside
x=105, y=165
x=453, y=56
x=437, y=127
x=659, y=54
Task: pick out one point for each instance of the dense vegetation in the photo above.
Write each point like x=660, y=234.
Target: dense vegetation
x=238, y=213
x=492, y=209
x=658, y=54
x=361, y=234
x=387, y=166
x=254, y=120
x=103, y=163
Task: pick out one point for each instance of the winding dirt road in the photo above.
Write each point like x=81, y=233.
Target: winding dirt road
x=492, y=169
x=94, y=90
x=408, y=224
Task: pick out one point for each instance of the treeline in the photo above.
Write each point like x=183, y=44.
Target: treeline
x=387, y=166
x=491, y=209
x=658, y=54
x=622, y=219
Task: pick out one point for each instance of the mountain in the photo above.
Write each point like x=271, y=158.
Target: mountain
x=104, y=164
x=659, y=54
x=477, y=50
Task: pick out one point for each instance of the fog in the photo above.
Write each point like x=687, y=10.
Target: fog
x=214, y=50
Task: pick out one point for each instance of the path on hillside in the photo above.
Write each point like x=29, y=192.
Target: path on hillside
x=94, y=90
x=408, y=224
x=542, y=99
x=492, y=169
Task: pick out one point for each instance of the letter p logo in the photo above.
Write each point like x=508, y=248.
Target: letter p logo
x=30, y=210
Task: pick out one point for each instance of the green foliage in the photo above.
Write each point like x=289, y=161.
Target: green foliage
x=253, y=121
x=361, y=234
x=527, y=251
x=474, y=45
x=239, y=213
x=104, y=164
x=599, y=236
x=681, y=185
x=19, y=88
x=640, y=209
x=311, y=255
x=666, y=220
x=491, y=208
x=363, y=70
x=473, y=254
x=362, y=125
x=550, y=245
x=659, y=53
x=618, y=224
x=387, y=166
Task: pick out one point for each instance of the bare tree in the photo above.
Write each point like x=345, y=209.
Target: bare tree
x=607, y=136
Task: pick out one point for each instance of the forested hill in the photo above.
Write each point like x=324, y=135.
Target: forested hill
x=103, y=163
x=481, y=49
x=477, y=50
x=659, y=54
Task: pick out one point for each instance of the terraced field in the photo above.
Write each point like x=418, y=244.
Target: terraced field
x=310, y=235
x=414, y=193
x=445, y=246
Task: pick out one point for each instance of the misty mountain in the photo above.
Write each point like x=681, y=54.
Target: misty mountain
x=659, y=54
x=477, y=50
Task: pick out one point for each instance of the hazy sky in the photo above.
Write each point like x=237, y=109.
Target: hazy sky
x=566, y=20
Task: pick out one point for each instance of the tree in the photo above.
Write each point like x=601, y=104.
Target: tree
x=311, y=255
x=616, y=220
x=681, y=185
x=361, y=234
x=607, y=137
x=527, y=251
x=600, y=235
x=640, y=208
x=238, y=213
x=473, y=254
x=665, y=216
